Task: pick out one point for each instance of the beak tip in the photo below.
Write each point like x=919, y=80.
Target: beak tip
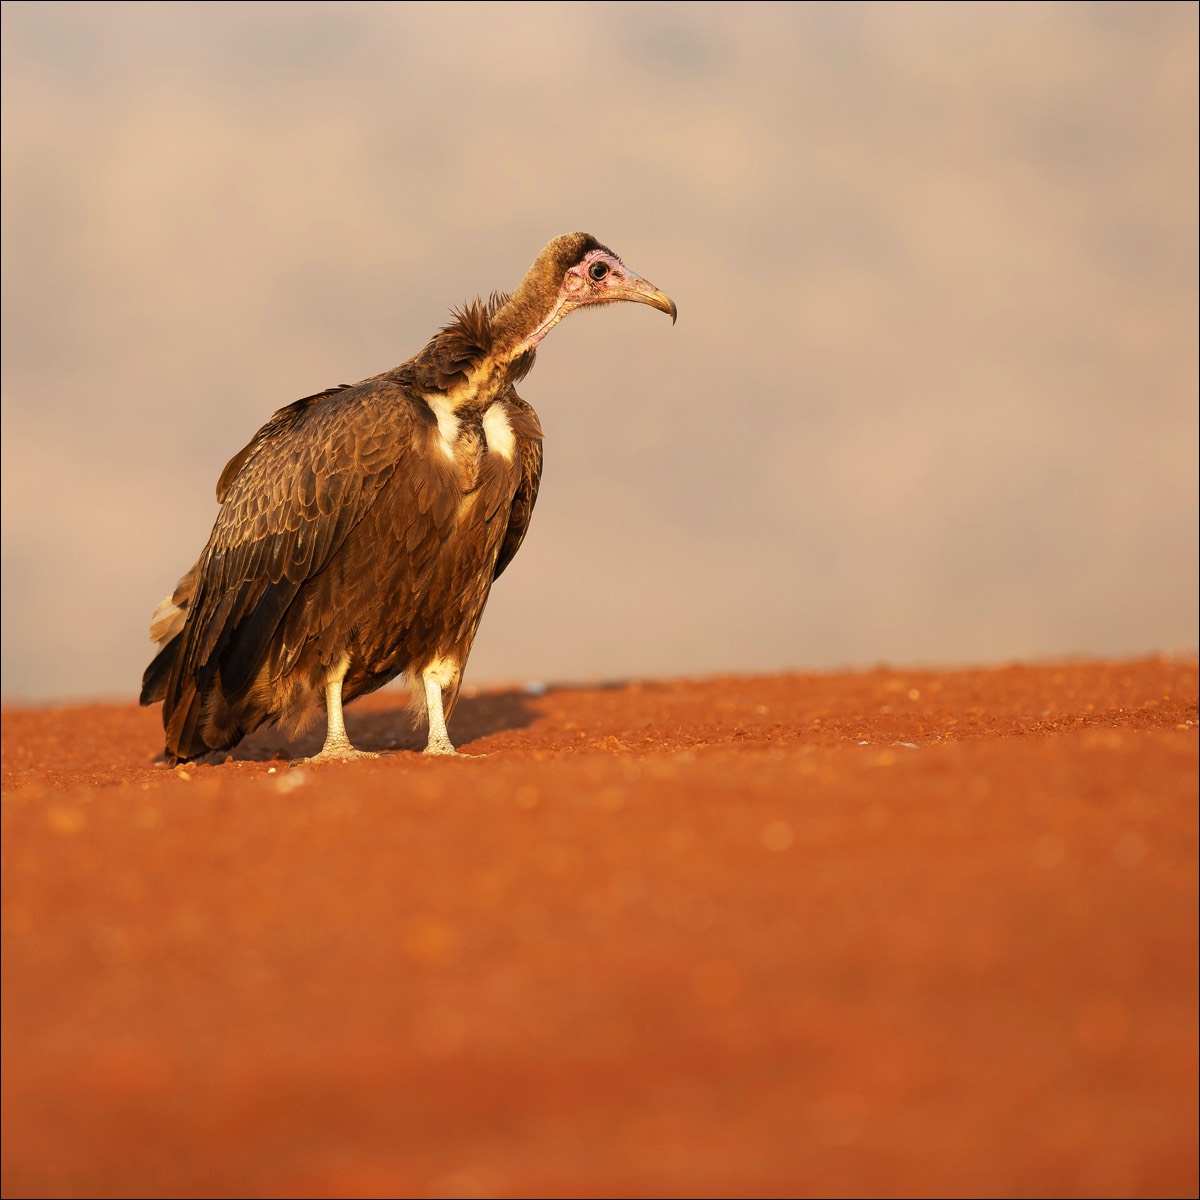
x=645, y=292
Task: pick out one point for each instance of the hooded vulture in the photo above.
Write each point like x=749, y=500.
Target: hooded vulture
x=361, y=529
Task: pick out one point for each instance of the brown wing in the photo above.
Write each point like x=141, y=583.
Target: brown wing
x=527, y=431
x=289, y=500
x=283, y=420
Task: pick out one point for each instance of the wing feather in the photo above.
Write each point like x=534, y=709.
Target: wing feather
x=284, y=419
x=527, y=434
x=289, y=500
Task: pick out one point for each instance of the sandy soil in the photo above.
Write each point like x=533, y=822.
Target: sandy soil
x=897, y=932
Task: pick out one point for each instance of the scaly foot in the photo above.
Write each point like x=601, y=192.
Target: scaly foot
x=351, y=755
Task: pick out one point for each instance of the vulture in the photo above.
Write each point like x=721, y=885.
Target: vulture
x=360, y=530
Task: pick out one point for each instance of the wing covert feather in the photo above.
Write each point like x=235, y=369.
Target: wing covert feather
x=288, y=502
x=527, y=432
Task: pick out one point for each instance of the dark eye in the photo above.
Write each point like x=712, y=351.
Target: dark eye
x=598, y=270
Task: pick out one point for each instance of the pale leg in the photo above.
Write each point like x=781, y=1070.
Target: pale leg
x=439, y=739
x=337, y=746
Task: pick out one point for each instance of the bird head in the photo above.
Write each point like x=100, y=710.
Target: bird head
x=574, y=271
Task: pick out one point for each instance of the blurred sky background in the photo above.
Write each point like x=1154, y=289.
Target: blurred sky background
x=932, y=396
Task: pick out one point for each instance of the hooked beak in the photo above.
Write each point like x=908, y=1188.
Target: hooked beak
x=642, y=291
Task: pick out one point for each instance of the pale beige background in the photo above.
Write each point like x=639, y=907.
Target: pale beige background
x=932, y=397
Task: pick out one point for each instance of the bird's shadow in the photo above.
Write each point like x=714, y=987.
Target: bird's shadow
x=393, y=728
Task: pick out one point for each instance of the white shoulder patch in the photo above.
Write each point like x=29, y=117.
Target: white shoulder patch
x=447, y=423
x=498, y=431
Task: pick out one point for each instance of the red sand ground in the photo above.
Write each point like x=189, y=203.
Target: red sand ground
x=901, y=932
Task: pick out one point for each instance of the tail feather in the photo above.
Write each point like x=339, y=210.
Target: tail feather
x=197, y=717
x=199, y=723
x=154, y=681
x=165, y=627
